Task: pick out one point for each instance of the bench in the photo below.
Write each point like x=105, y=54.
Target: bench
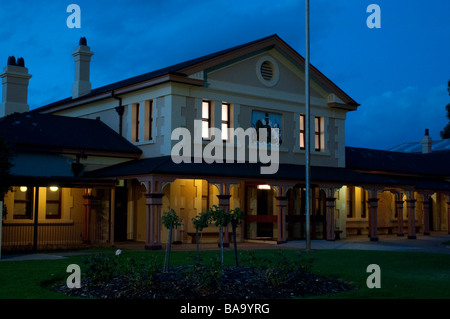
x=337, y=234
x=358, y=228
x=389, y=228
x=209, y=235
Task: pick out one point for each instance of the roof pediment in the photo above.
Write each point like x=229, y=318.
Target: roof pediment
x=191, y=72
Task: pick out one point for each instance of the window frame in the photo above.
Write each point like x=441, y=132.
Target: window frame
x=53, y=201
x=302, y=135
x=150, y=120
x=227, y=122
x=317, y=133
x=136, y=121
x=207, y=120
x=28, y=203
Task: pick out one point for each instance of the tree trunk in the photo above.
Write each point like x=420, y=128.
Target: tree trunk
x=221, y=243
x=233, y=227
x=169, y=243
x=197, y=239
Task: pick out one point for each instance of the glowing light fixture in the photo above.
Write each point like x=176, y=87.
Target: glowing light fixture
x=23, y=189
x=53, y=188
x=263, y=186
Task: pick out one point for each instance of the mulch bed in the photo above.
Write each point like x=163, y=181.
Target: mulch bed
x=236, y=283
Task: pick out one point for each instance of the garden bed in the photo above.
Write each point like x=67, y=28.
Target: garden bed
x=234, y=283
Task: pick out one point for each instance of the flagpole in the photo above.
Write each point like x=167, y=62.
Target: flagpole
x=307, y=132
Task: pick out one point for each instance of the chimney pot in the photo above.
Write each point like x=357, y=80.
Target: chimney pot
x=427, y=143
x=15, y=80
x=20, y=62
x=11, y=60
x=82, y=57
x=83, y=41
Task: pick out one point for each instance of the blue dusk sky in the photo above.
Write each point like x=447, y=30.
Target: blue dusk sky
x=398, y=73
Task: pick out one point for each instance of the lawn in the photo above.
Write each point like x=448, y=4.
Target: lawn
x=403, y=274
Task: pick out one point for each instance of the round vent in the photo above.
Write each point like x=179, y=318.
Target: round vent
x=267, y=70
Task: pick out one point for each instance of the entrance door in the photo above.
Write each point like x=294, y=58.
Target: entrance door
x=120, y=214
x=260, y=220
x=265, y=208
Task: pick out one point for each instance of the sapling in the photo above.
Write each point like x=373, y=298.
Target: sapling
x=170, y=220
x=200, y=222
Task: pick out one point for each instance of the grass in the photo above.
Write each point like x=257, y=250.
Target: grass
x=403, y=274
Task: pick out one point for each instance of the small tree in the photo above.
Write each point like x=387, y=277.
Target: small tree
x=445, y=133
x=200, y=222
x=170, y=220
x=236, y=216
x=221, y=219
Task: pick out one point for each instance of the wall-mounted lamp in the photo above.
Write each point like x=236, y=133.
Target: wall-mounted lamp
x=264, y=187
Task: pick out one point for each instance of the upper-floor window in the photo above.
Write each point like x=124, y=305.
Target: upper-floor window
x=149, y=125
x=225, y=120
x=302, y=132
x=142, y=121
x=206, y=119
x=317, y=133
x=135, y=114
x=53, y=202
x=23, y=202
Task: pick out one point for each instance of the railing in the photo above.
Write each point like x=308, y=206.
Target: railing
x=65, y=235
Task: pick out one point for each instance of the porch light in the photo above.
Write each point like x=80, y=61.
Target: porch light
x=23, y=189
x=53, y=188
x=264, y=187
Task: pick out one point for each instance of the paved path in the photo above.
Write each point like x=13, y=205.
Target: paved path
x=430, y=244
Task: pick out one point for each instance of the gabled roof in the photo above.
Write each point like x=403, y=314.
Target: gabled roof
x=180, y=73
x=52, y=133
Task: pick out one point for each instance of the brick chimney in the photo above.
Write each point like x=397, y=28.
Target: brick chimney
x=15, y=80
x=427, y=143
x=82, y=56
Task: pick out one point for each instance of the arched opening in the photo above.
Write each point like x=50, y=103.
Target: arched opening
x=296, y=218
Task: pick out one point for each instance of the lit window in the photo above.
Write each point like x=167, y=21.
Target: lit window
x=23, y=199
x=53, y=203
x=302, y=131
x=225, y=120
x=206, y=119
x=317, y=134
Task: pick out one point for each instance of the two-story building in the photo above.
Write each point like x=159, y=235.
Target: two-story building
x=187, y=137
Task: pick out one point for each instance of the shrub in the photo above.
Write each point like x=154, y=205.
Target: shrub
x=140, y=272
x=279, y=270
x=101, y=268
x=208, y=276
